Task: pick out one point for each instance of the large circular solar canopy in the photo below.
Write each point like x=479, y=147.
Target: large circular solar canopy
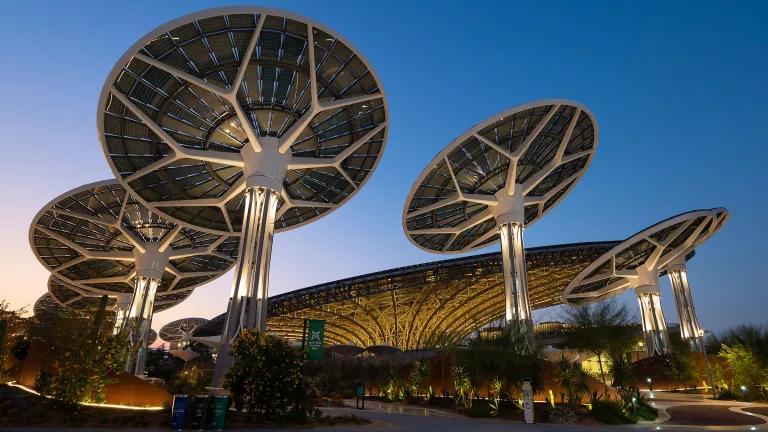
x=46, y=308
x=538, y=150
x=73, y=297
x=181, y=329
x=653, y=248
x=181, y=104
x=77, y=298
x=87, y=238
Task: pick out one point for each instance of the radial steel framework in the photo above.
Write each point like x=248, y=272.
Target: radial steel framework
x=422, y=306
x=637, y=263
x=178, y=332
x=98, y=239
x=46, y=308
x=243, y=120
x=495, y=179
x=74, y=298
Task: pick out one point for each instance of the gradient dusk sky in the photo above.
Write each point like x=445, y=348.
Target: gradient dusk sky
x=679, y=91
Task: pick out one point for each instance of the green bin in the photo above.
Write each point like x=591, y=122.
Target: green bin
x=219, y=412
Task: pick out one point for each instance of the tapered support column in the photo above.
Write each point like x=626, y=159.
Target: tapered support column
x=140, y=322
x=517, y=307
x=652, y=316
x=249, y=298
x=122, y=307
x=689, y=324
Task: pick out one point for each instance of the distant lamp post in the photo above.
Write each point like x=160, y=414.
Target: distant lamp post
x=650, y=383
x=743, y=389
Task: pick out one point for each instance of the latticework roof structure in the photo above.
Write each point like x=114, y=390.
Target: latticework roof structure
x=180, y=330
x=425, y=305
x=189, y=106
x=525, y=159
x=89, y=239
x=649, y=251
x=80, y=299
x=73, y=297
x=46, y=308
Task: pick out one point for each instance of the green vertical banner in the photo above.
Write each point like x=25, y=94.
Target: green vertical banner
x=315, y=337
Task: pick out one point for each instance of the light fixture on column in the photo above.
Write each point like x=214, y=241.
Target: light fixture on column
x=97, y=239
x=496, y=179
x=637, y=263
x=250, y=121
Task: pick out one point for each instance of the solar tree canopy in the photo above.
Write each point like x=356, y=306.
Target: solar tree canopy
x=651, y=251
x=180, y=330
x=93, y=240
x=77, y=298
x=523, y=160
x=202, y=106
x=46, y=308
x=420, y=306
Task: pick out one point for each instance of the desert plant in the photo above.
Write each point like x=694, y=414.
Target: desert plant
x=462, y=384
x=601, y=328
x=502, y=357
x=495, y=393
x=418, y=377
x=572, y=378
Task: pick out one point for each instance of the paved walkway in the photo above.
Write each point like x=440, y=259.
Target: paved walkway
x=699, y=412
x=396, y=417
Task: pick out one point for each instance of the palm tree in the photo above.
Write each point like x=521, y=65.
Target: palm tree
x=601, y=328
x=621, y=372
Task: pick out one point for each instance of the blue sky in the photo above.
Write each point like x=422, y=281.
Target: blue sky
x=678, y=90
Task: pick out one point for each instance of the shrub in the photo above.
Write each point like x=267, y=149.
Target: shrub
x=611, y=412
x=266, y=375
x=77, y=367
x=645, y=412
x=746, y=369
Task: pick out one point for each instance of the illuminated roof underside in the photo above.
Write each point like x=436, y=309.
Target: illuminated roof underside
x=181, y=329
x=80, y=299
x=46, y=308
x=422, y=306
x=86, y=238
x=181, y=104
x=75, y=298
x=544, y=148
x=654, y=247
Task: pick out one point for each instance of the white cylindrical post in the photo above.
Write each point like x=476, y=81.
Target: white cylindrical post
x=140, y=322
x=517, y=307
x=689, y=324
x=652, y=316
x=250, y=291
